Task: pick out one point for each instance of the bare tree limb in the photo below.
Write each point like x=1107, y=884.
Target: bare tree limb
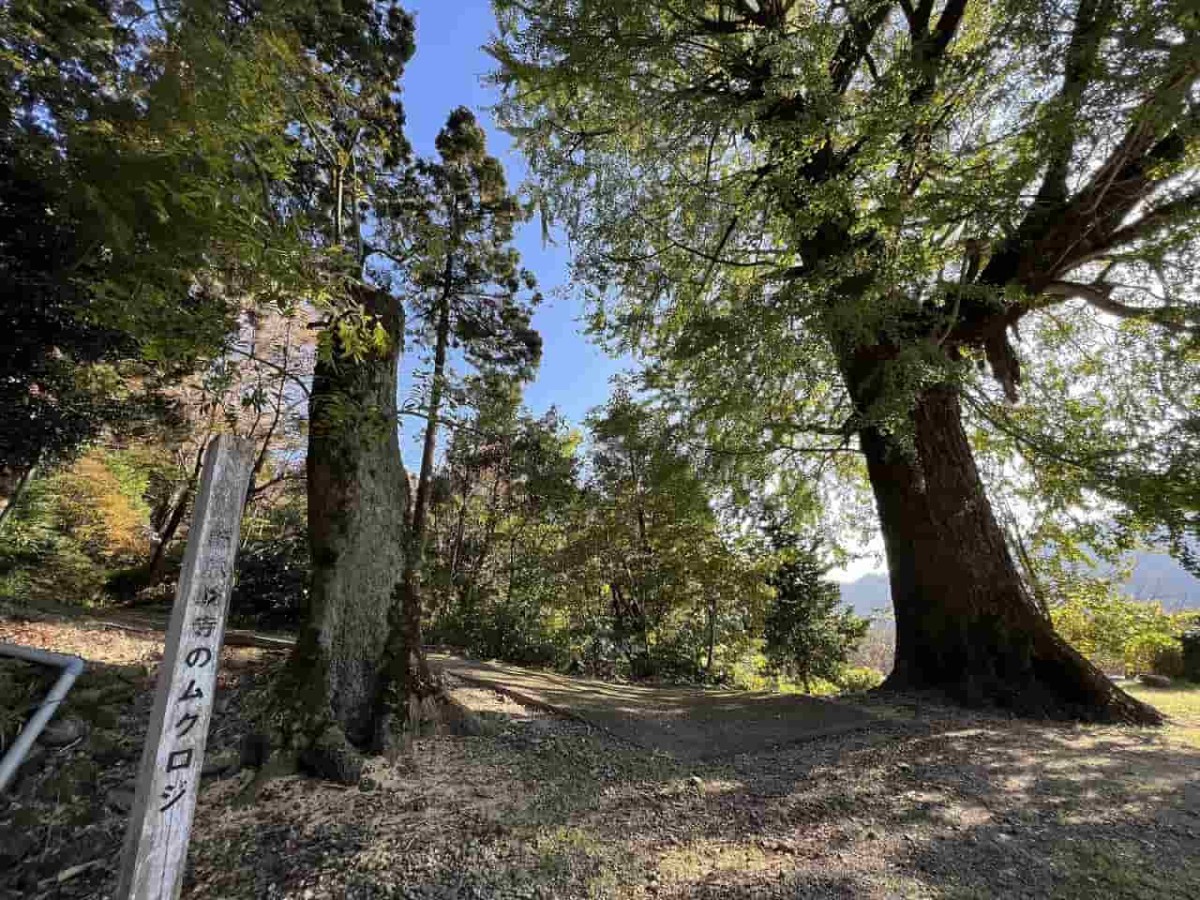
x=290, y=376
x=1172, y=318
x=1173, y=212
x=1092, y=21
x=855, y=42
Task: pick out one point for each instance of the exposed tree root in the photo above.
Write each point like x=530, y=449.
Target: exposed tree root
x=331, y=756
x=1062, y=687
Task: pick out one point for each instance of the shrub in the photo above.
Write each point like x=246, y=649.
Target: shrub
x=1190, y=656
x=512, y=632
x=273, y=564
x=73, y=529
x=64, y=574
x=98, y=502
x=272, y=580
x=1117, y=632
x=859, y=678
x=1168, y=660
x=808, y=635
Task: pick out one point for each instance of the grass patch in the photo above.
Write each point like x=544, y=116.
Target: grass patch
x=1181, y=702
x=568, y=774
x=575, y=856
x=695, y=863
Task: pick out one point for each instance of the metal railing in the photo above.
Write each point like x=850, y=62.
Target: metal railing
x=71, y=667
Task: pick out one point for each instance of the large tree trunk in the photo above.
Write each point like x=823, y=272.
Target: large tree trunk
x=357, y=498
x=966, y=624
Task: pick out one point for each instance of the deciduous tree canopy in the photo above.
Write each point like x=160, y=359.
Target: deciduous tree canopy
x=818, y=219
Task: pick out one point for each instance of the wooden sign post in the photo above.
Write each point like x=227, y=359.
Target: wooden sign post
x=169, y=777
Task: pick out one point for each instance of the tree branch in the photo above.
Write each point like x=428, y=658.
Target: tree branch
x=918, y=18
x=1091, y=23
x=855, y=42
x=282, y=370
x=370, y=250
x=1051, y=242
x=947, y=27
x=1173, y=212
x=1086, y=227
x=1172, y=318
x=257, y=490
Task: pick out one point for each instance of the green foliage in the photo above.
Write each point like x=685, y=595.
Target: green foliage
x=65, y=374
x=1117, y=632
x=461, y=262
x=513, y=631
x=75, y=529
x=859, y=678
x=273, y=564
x=808, y=634
x=500, y=508
x=683, y=589
x=82, y=534
x=1106, y=428
x=606, y=557
x=803, y=216
x=162, y=169
x=467, y=290
x=202, y=157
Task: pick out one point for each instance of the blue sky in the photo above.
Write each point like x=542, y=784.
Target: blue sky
x=447, y=72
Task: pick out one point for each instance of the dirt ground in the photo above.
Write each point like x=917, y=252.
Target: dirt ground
x=926, y=802
x=687, y=722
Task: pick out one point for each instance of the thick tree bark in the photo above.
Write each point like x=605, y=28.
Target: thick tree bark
x=408, y=680
x=966, y=624
x=357, y=497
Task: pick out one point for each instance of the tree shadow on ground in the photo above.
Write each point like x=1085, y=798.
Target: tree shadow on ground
x=940, y=803
x=927, y=802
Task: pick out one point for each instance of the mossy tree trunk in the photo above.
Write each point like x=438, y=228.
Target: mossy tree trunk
x=357, y=499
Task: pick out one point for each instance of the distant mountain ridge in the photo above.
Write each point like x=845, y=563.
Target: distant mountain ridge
x=869, y=595
x=1156, y=576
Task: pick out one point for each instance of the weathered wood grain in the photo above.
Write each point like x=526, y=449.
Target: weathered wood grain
x=156, y=842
